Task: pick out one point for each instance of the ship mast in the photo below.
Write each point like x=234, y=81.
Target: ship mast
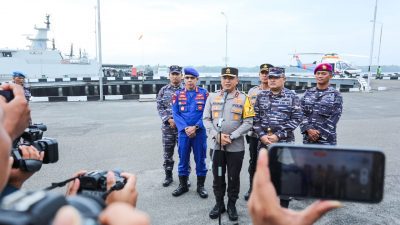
x=40, y=40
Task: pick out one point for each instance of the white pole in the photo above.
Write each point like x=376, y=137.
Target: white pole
x=380, y=42
x=226, y=38
x=95, y=29
x=99, y=52
x=372, y=47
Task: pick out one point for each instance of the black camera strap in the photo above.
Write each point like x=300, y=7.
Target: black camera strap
x=117, y=186
x=60, y=184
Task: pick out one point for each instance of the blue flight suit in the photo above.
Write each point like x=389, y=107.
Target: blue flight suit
x=187, y=110
x=322, y=110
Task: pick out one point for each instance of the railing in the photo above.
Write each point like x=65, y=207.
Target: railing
x=363, y=84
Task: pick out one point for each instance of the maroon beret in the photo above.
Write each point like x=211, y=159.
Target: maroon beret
x=323, y=67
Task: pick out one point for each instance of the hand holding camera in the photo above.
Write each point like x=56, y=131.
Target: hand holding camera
x=120, y=187
x=17, y=113
x=31, y=156
x=127, y=194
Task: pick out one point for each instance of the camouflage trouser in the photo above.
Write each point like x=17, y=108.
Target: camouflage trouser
x=169, y=140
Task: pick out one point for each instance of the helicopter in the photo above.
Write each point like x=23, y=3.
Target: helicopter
x=340, y=67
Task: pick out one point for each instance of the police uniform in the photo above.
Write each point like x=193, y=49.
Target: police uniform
x=237, y=112
x=187, y=108
x=169, y=135
x=322, y=110
x=251, y=137
x=279, y=114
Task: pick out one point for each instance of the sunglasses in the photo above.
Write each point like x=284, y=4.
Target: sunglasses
x=264, y=72
x=175, y=73
x=189, y=78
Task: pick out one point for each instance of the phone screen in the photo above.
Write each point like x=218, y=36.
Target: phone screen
x=327, y=172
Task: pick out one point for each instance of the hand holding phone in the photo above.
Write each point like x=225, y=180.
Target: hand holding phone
x=327, y=172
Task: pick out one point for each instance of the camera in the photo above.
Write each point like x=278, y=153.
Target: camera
x=40, y=208
x=8, y=95
x=94, y=183
x=33, y=135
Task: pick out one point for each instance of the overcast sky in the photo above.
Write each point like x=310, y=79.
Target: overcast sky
x=192, y=32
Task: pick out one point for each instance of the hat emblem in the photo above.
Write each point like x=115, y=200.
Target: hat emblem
x=228, y=70
x=324, y=67
x=265, y=66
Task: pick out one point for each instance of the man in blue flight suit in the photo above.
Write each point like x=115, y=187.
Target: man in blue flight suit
x=322, y=107
x=277, y=114
x=187, y=110
x=168, y=127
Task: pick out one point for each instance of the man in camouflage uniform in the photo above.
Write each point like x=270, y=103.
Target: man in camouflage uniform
x=237, y=113
x=322, y=107
x=169, y=131
x=19, y=78
x=251, y=137
x=277, y=113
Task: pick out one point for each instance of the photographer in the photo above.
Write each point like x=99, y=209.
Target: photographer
x=117, y=213
x=14, y=118
x=5, y=146
x=17, y=113
x=264, y=207
x=127, y=194
x=120, y=208
x=18, y=176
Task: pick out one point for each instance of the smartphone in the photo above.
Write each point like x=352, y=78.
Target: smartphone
x=327, y=172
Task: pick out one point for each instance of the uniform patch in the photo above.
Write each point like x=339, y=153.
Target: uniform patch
x=173, y=98
x=248, y=110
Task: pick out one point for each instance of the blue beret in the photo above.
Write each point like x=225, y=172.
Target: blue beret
x=191, y=71
x=18, y=74
x=323, y=67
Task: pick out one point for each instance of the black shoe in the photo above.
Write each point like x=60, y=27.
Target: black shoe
x=168, y=178
x=214, y=212
x=182, y=188
x=232, y=212
x=247, y=195
x=200, y=187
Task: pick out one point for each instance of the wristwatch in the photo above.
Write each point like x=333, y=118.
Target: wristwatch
x=197, y=127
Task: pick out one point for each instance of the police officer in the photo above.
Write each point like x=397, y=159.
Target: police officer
x=168, y=127
x=322, y=107
x=251, y=137
x=187, y=111
x=277, y=113
x=19, y=78
x=232, y=111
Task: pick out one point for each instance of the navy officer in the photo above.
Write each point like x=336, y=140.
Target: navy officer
x=322, y=107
